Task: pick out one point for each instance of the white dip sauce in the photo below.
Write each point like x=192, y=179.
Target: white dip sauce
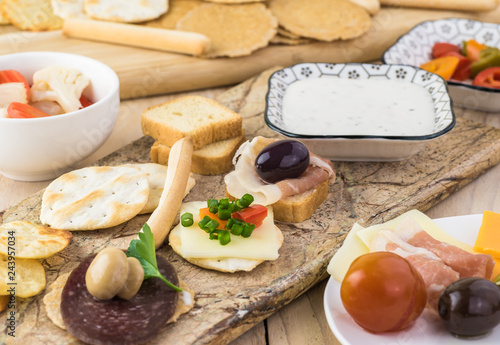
x=334, y=106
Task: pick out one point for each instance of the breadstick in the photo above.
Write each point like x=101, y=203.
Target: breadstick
x=372, y=6
x=179, y=166
x=460, y=5
x=175, y=41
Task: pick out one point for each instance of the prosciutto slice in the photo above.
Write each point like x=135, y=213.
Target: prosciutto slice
x=439, y=264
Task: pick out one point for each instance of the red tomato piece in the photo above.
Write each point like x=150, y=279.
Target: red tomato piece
x=383, y=292
x=13, y=76
x=85, y=102
x=489, y=77
x=441, y=48
x=254, y=214
x=18, y=110
x=462, y=72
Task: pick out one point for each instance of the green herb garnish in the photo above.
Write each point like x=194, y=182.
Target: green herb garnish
x=143, y=250
x=497, y=280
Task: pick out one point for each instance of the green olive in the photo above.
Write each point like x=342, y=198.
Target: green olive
x=134, y=279
x=107, y=273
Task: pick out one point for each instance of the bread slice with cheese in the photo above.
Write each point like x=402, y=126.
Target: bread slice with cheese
x=213, y=159
x=205, y=120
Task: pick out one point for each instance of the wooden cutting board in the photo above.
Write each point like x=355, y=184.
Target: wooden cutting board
x=144, y=72
x=229, y=304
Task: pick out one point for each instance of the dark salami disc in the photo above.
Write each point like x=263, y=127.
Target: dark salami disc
x=118, y=321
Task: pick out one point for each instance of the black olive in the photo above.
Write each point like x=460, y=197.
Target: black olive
x=470, y=307
x=281, y=160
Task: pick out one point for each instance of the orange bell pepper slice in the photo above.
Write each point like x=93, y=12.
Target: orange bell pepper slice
x=472, y=49
x=443, y=66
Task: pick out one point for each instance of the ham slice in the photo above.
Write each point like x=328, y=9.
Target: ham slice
x=439, y=264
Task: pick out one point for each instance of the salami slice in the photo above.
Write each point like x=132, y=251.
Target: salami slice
x=118, y=321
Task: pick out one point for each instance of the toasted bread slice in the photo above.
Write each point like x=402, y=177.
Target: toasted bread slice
x=205, y=120
x=213, y=159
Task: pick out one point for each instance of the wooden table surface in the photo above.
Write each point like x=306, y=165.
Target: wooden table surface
x=302, y=321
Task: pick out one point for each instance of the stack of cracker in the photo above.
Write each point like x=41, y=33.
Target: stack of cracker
x=216, y=131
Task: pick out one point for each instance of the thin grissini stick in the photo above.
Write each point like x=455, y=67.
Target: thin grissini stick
x=176, y=41
x=179, y=166
x=459, y=5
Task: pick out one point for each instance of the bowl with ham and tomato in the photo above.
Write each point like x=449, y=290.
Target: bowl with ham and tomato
x=56, y=109
x=466, y=53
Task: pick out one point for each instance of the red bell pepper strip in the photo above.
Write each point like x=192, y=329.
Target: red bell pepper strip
x=441, y=48
x=85, y=102
x=254, y=214
x=490, y=77
x=13, y=76
x=462, y=72
x=18, y=110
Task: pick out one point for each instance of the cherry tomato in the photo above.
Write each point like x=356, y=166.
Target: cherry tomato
x=254, y=214
x=383, y=292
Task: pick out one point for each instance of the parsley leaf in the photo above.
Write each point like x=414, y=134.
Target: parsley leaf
x=143, y=250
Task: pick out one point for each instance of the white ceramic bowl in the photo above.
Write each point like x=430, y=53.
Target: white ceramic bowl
x=415, y=47
x=43, y=148
x=361, y=147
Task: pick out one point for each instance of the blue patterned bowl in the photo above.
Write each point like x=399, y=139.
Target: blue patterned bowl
x=415, y=47
x=360, y=147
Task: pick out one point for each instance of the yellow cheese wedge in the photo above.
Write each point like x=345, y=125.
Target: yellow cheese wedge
x=496, y=269
x=425, y=223
x=262, y=245
x=488, y=238
x=350, y=250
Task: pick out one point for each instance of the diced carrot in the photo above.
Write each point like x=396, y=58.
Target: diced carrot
x=205, y=212
x=13, y=76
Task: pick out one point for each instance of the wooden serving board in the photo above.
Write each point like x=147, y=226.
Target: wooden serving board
x=229, y=304
x=144, y=72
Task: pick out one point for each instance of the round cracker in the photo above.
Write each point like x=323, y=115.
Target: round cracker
x=157, y=174
x=229, y=265
x=94, y=198
x=130, y=11
x=234, y=30
x=325, y=20
x=28, y=274
x=33, y=15
x=32, y=241
x=52, y=300
x=68, y=8
x=176, y=10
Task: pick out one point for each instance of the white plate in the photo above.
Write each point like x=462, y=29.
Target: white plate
x=428, y=329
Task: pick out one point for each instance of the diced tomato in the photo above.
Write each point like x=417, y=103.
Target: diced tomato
x=85, y=102
x=254, y=214
x=205, y=212
x=444, y=66
x=472, y=49
x=441, y=48
x=490, y=77
x=462, y=72
x=13, y=76
x=18, y=110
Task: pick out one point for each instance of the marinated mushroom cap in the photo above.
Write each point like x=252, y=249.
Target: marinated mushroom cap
x=134, y=279
x=107, y=273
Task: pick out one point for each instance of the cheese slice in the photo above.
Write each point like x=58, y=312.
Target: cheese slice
x=488, y=238
x=195, y=243
x=350, y=250
x=367, y=235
